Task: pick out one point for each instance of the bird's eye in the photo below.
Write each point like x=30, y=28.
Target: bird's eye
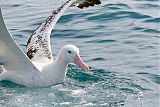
x=69, y=51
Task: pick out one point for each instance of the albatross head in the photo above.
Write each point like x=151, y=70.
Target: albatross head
x=70, y=54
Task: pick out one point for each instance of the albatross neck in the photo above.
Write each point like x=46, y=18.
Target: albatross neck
x=61, y=62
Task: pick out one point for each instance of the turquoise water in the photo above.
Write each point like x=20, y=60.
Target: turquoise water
x=119, y=40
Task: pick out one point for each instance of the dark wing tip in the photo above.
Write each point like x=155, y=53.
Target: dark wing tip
x=88, y=3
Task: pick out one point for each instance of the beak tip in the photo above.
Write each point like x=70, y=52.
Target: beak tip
x=87, y=69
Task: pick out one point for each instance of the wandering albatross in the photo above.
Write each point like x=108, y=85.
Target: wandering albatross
x=37, y=67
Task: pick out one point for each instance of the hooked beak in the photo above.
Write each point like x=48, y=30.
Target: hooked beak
x=77, y=60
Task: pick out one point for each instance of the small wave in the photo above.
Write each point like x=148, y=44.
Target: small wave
x=98, y=59
x=153, y=20
x=152, y=30
x=146, y=30
x=155, y=78
x=101, y=41
x=117, y=6
x=118, y=15
x=138, y=28
x=148, y=5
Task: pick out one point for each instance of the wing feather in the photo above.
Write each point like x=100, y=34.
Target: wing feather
x=38, y=45
x=11, y=56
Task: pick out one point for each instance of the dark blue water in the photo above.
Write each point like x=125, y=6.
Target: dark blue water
x=119, y=40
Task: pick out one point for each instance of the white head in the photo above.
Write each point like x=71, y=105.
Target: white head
x=70, y=54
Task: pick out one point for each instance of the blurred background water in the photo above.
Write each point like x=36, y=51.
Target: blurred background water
x=119, y=40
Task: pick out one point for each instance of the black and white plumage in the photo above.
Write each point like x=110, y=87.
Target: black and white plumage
x=37, y=68
x=86, y=3
x=38, y=45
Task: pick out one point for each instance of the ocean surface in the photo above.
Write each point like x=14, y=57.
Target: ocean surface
x=119, y=40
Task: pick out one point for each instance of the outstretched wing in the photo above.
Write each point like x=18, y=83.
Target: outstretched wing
x=38, y=45
x=11, y=56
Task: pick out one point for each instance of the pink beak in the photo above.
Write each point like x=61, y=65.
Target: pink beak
x=77, y=60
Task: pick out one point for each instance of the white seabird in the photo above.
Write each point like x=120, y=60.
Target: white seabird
x=37, y=67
